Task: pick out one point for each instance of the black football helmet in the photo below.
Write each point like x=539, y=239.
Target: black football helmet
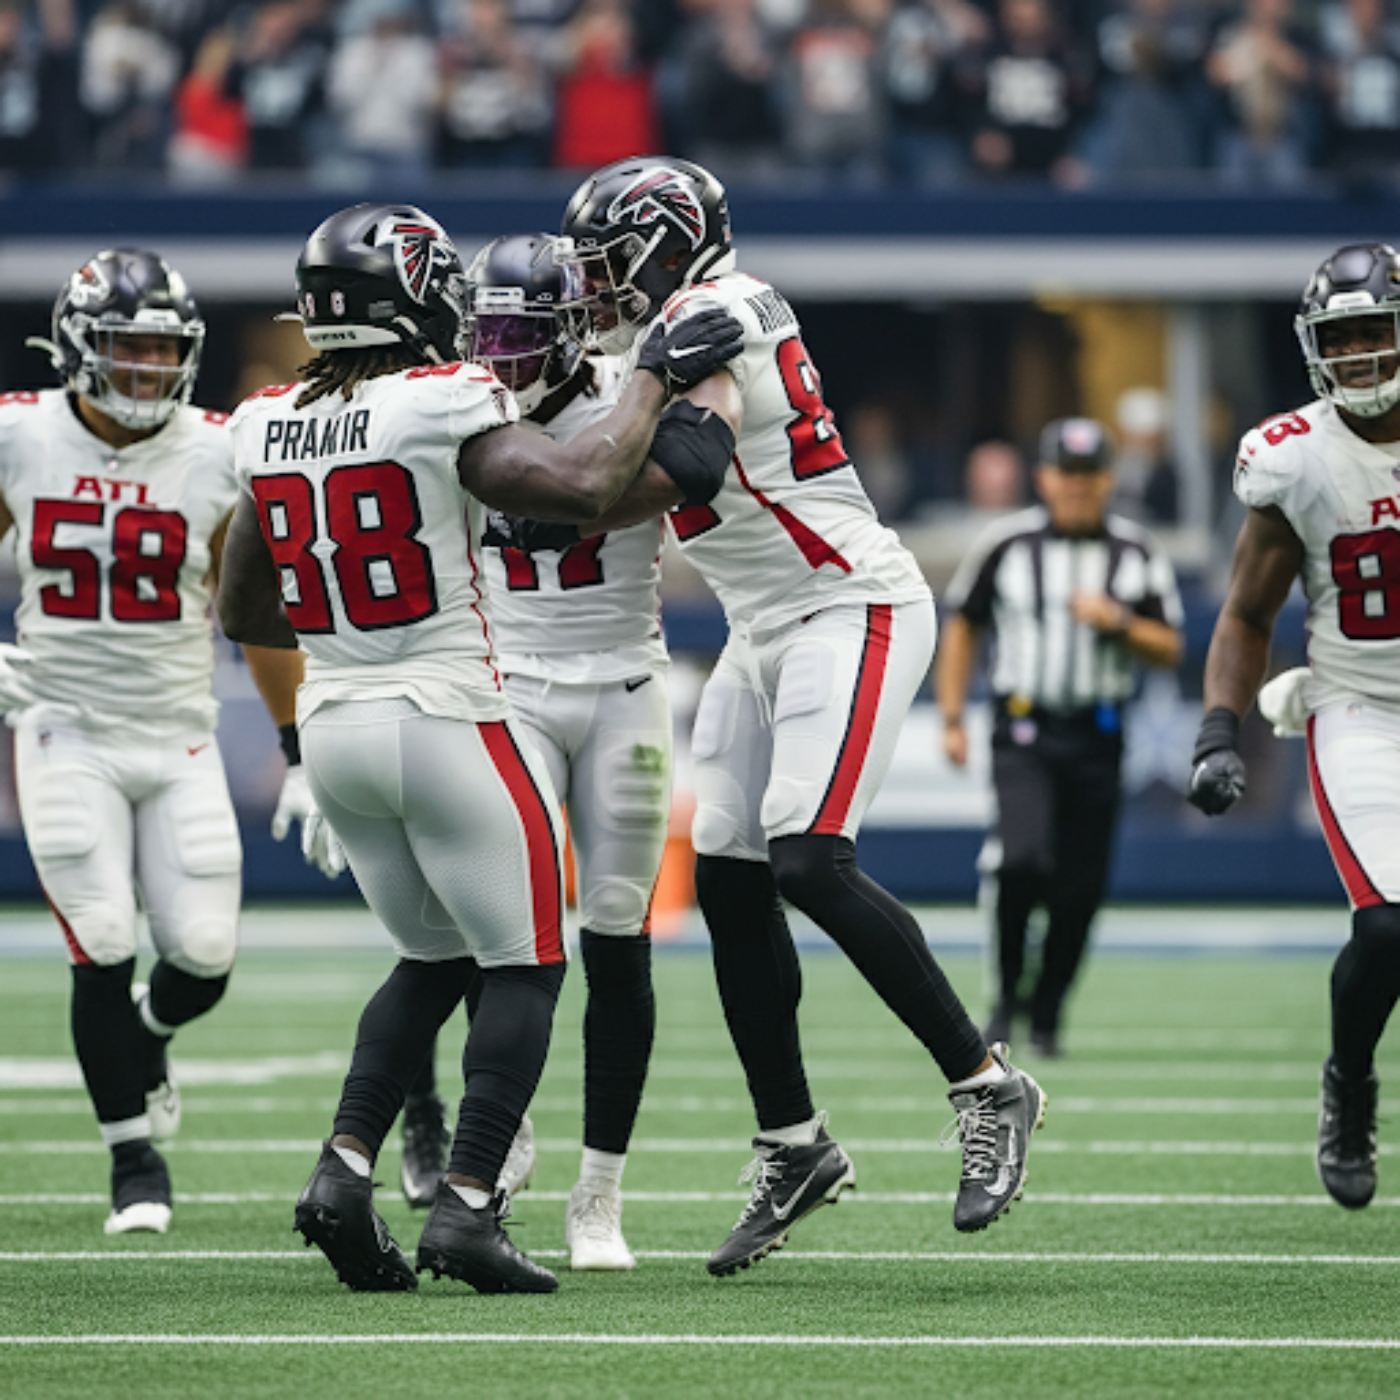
x=517, y=323
x=116, y=295
x=640, y=230
x=382, y=274
x=1360, y=280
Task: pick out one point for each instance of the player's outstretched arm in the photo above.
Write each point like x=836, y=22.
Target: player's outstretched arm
x=250, y=598
x=524, y=473
x=1268, y=556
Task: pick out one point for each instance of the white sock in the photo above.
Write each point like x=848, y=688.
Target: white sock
x=602, y=1166
x=795, y=1134
x=475, y=1198
x=988, y=1076
x=356, y=1161
x=148, y=1019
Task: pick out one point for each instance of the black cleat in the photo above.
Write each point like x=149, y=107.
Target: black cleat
x=789, y=1183
x=425, y=1142
x=1346, y=1137
x=471, y=1245
x=336, y=1213
x=140, y=1191
x=995, y=1123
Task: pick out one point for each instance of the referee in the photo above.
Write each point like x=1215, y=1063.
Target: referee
x=1076, y=598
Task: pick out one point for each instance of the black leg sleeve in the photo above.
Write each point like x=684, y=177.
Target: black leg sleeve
x=760, y=983
x=619, y=1025
x=397, y=1030
x=502, y=1063
x=179, y=997
x=882, y=938
x=110, y=1040
x=1365, y=987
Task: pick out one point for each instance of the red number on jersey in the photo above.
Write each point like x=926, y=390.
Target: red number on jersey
x=522, y=573
x=287, y=515
x=83, y=595
x=148, y=550
x=385, y=571
x=1286, y=425
x=579, y=566
x=816, y=445
x=689, y=521
x=1366, y=570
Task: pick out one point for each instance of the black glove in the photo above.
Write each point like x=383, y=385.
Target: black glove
x=689, y=352
x=1217, y=771
x=516, y=532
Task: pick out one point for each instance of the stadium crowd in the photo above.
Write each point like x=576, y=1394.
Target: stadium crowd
x=1270, y=94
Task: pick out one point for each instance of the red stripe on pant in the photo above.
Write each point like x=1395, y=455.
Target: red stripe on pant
x=75, y=949
x=1362, y=893
x=856, y=743
x=542, y=854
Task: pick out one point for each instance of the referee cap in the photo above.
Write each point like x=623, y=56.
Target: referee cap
x=1075, y=445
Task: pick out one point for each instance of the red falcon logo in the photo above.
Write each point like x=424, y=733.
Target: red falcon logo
x=418, y=247
x=661, y=194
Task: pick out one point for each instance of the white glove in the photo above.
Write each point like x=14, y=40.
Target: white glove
x=14, y=685
x=1281, y=703
x=319, y=844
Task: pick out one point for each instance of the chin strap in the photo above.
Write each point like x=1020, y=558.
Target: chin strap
x=47, y=347
x=414, y=337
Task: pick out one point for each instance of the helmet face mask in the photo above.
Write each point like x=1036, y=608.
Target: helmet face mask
x=523, y=318
x=1349, y=329
x=640, y=230
x=127, y=337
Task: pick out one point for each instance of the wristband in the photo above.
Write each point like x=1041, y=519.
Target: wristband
x=291, y=743
x=1220, y=729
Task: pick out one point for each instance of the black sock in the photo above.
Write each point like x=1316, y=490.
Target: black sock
x=619, y=1025
x=110, y=1040
x=760, y=983
x=1365, y=987
x=397, y=1029
x=882, y=938
x=502, y=1064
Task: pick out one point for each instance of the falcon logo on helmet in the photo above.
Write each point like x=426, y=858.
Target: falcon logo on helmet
x=661, y=194
x=419, y=247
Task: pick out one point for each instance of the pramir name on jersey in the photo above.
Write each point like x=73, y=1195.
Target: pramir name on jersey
x=772, y=311
x=304, y=439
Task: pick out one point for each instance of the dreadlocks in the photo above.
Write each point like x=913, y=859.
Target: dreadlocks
x=344, y=370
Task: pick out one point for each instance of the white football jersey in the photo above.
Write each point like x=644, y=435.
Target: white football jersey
x=376, y=539
x=588, y=613
x=792, y=529
x=1341, y=495
x=114, y=558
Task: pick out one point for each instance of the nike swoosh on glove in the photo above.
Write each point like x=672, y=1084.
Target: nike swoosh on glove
x=689, y=352
x=319, y=844
x=14, y=686
x=1281, y=702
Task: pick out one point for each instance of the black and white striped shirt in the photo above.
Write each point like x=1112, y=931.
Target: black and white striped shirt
x=1020, y=577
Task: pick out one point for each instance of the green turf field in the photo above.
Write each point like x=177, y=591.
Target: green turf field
x=1174, y=1239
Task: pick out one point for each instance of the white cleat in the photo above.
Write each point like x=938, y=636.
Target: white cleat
x=150, y=1217
x=518, y=1170
x=593, y=1227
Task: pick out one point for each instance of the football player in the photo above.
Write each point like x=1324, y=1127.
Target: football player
x=1320, y=484
x=359, y=531
x=119, y=493
x=580, y=648
x=831, y=630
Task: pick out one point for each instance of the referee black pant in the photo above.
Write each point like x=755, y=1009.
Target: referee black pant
x=1057, y=786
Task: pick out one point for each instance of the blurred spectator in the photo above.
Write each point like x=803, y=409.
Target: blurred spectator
x=280, y=74
x=129, y=72
x=1147, y=487
x=1361, y=97
x=382, y=91
x=604, y=101
x=496, y=100
x=872, y=434
x=1029, y=96
x=1264, y=73
x=1150, y=117
x=833, y=104
x=728, y=60
x=38, y=82
x=210, y=144
x=995, y=478
x=922, y=43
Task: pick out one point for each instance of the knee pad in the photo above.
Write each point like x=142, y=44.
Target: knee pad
x=205, y=949
x=1376, y=930
x=615, y=907
x=105, y=938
